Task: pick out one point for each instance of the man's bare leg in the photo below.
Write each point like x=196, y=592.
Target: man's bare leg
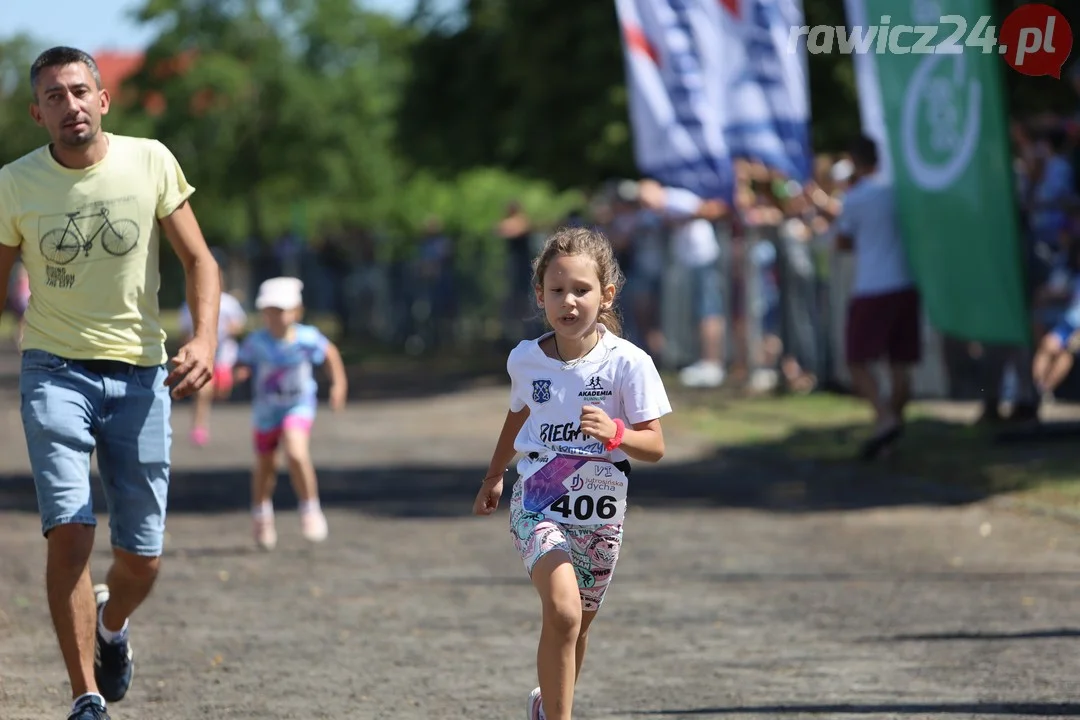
x=71, y=602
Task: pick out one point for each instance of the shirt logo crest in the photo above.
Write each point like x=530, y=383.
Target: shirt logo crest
x=541, y=391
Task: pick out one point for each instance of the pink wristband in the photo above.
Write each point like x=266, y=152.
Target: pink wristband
x=616, y=439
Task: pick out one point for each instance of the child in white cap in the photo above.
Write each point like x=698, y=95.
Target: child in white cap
x=282, y=356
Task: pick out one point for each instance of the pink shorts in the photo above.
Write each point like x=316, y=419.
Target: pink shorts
x=593, y=549
x=267, y=441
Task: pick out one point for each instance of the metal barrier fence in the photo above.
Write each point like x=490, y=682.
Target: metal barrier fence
x=798, y=286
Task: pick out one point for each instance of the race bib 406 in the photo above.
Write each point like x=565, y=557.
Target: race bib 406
x=577, y=491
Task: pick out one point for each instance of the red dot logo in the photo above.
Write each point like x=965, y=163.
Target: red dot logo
x=1036, y=40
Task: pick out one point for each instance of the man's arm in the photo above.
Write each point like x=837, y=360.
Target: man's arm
x=10, y=237
x=845, y=227
x=828, y=206
x=194, y=362
x=712, y=210
x=680, y=204
x=8, y=256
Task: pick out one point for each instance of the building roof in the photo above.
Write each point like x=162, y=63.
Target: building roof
x=116, y=67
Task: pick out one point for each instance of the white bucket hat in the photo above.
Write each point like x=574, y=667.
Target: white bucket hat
x=284, y=293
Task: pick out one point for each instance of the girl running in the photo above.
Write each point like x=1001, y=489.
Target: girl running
x=231, y=323
x=283, y=406
x=583, y=402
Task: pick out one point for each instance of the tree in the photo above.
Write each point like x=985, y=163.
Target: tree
x=535, y=86
x=274, y=107
x=18, y=133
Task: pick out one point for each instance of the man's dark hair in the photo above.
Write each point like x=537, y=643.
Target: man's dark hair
x=58, y=57
x=864, y=152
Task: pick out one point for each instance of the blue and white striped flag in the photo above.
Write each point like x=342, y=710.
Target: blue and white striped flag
x=709, y=80
x=676, y=84
x=769, y=90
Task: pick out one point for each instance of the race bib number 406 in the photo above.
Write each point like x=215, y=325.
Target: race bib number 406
x=577, y=491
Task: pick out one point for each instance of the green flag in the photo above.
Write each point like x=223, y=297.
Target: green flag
x=943, y=116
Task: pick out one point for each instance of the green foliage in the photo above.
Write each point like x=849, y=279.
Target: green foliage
x=834, y=102
x=1031, y=95
x=472, y=203
x=18, y=133
x=276, y=108
x=535, y=86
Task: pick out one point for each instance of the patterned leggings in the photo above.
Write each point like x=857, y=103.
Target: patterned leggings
x=593, y=549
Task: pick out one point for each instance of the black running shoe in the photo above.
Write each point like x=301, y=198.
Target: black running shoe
x=89, y=708
x=114, y=663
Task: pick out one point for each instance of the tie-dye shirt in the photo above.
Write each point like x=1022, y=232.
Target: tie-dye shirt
x=283, y=378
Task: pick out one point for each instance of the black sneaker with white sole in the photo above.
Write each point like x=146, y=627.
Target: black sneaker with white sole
x=114, y=663
x=89, y=708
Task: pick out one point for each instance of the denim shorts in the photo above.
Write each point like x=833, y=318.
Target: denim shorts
x=1064, y=331
x=71, y=408
x=706, y=291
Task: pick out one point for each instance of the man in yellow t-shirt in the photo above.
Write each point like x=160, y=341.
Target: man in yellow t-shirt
x=86, y=213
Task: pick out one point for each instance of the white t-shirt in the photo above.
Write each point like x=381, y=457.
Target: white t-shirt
x=694, y=239
x=869, y=218
x=230, y=312
x=616, y=376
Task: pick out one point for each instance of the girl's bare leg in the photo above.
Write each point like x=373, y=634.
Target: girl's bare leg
x=561, y=648
x=200, y=426
x=302, y=474
x=263, y=480
x=301, y=469
x=583, y=641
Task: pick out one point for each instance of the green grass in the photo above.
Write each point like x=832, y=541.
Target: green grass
x=827, y=430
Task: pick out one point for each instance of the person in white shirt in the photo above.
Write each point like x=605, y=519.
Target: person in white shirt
x=231, y=323
x=583, y=403
x=884, y=316
x=696, y=248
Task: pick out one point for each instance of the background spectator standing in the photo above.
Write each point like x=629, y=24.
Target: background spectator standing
x=884, y=315
x=690, y=220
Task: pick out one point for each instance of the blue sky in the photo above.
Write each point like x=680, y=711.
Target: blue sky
x=101, y=24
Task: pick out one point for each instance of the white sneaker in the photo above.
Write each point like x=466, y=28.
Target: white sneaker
x=702, y=374
x=264, y=531
x=535, y=709
x=313, y=525
x=763, y=380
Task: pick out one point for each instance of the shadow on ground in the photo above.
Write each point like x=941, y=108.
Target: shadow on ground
x=805, y=466
x=1052, y=634
x=758, y=478
x=930, y=709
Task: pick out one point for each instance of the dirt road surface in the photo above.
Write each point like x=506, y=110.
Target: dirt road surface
x=746, y=590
